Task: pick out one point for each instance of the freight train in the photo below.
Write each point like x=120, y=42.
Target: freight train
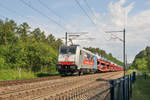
x=74, y=59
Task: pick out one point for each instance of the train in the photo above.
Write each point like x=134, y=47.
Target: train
x=75, y=59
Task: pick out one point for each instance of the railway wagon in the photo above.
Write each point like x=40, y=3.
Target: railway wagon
x=105, y=66
x=74, y=59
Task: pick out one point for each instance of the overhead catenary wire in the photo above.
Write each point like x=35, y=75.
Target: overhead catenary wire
x=89, y=7
x=84, y=11
x=8, y=9
x=11, y=11
x=113, y=36
x=51, y=10
x=89, y=17
x=87, y=4
x=42, y=14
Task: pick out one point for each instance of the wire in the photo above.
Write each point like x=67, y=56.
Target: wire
x=42, y=14
x=44, y=5
x=86, y=2
x=84, y=11
x=10, y=10
x=90, y=17
x=114, y=37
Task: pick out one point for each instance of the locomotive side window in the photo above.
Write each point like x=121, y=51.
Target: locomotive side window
x=92, y=58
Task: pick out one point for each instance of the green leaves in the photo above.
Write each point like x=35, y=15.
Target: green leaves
x=38, y=35
x=7, y=31
x=141, y=64
x=142, y=60
x=22, y=48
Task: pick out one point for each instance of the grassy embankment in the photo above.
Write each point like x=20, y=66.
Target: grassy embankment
x=141, y=90
x=11, y=74
x=14, y=74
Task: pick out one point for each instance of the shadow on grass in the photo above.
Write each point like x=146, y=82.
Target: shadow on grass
x=46, y=74
x=141, y=89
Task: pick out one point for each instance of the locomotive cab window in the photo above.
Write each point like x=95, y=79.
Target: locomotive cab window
x=68, y=50
x=63, y=50
x=72, y=50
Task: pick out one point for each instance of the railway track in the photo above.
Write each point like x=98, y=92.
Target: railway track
x=52, y=87
x=32, y=80
x=22, y=81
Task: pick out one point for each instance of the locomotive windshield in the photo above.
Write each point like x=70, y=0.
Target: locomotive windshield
x=68, y=50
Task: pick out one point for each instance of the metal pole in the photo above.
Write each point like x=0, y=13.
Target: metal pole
x=126, y=62
x=112, y=91
x=66, y=38
x=124, y=59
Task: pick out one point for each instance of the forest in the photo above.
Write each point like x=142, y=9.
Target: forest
x=25, y=52
x=142, y=61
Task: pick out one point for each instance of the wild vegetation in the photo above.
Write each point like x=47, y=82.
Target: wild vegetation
x=142, y=61
x=141, y=89
x=26, y=50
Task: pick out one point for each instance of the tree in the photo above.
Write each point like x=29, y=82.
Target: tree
x=148, y=63
x=148, y=51
x=38, y=35
x=58, y=43
x=7, y=31
x=142, y=60
x=29, y=50
x=23, y=31
x=141, y=64
x=51, y=40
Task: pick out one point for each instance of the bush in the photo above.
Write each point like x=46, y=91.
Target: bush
x=11, y=74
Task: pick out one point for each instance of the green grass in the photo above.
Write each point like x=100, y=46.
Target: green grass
x=131, y=71
x=11, y=74
x=141, y=90
x=47, y=74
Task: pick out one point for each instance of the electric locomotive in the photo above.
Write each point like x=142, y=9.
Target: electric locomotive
x=74, y=59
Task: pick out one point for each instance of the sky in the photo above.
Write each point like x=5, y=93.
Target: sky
x=59, y=16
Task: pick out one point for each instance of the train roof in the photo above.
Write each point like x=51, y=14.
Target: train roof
x=69, y=46
x=89, y=52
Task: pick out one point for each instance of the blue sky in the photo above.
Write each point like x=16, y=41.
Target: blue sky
x=106, y=12
x=65, y=8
